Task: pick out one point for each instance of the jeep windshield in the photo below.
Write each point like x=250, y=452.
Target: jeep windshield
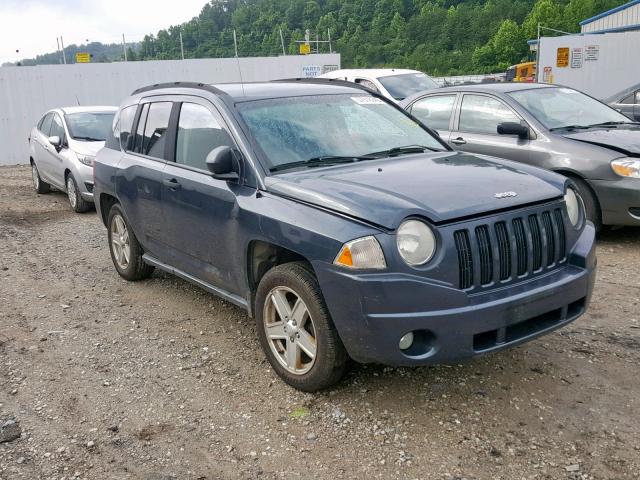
x=311, y=131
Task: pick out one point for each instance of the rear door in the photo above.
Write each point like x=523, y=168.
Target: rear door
x=476, y=128
x=139, y=183
x=436, y=111
x=202, y=212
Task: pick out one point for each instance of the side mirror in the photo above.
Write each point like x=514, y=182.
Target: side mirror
x=513, y=128
x=56, y=142
x=222, y=163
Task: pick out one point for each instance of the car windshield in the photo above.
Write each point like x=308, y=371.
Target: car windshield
x=565, y=108
x=333, y=128
x=405, y=85
x=89, y=126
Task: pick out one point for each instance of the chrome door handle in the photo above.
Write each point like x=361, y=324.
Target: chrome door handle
x=172, y=184
x=459, y=141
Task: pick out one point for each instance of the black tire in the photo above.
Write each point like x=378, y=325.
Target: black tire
x=331, y=357
x=591, y=204
x=136, y=269
x=39, y=185
x=77, y=203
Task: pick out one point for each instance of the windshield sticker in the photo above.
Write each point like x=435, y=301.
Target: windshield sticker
x=363, y=100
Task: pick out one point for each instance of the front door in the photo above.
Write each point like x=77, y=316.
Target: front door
x=201, y=212
x=477, y=129
x=55, y=155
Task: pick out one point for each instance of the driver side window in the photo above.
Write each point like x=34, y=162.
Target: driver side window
x=482, y=114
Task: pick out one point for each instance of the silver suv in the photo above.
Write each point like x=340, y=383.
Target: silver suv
x=62, y=147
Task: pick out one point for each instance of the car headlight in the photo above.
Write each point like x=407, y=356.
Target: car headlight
x=627, y=167
x=86, y=159
x=362, y=253
x=416, y=242
x=574, y=207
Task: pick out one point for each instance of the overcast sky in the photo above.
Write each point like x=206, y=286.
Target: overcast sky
x=32, y=26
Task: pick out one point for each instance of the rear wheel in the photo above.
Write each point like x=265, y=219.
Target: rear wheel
x=126, y=252
x=591, y=204
x=38, y=184
x=296, y=331
x=78, y=204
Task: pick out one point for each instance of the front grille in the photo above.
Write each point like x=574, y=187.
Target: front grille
x=510, y=249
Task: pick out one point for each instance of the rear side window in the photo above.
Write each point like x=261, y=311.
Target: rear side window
x=481, y=114
x=199, y=132
x=137, y=146
x=435, y=112
x=45, y=125
x=57, y=129
x=155, y=130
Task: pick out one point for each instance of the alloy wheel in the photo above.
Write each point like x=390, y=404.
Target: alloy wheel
x=71, y=191
x=290, y=330
x=120, y=244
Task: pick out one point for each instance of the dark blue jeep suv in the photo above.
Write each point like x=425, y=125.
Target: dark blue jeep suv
x=342, y=224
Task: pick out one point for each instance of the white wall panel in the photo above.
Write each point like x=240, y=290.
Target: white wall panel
x=27, y=92
x=617, y=67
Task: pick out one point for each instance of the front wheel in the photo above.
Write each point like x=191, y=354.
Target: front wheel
x=591, y=205
x=126, y=252
x=78, y=204
x=296, y=331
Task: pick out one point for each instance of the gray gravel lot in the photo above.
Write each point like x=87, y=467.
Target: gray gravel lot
x=159, y=380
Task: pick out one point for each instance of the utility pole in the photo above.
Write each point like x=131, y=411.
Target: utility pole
x=58, y=50
x=181, y=45
x=538, y=55
x=235, y=42
x=64, y=55
x=124, y=47
x=284, y=52
x=329, y=36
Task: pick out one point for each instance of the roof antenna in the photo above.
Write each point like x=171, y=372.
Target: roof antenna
x=235, y=43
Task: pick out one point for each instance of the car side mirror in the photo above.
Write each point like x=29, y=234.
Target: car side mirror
x=223, y=164
x=513, y=128
x=56, y=142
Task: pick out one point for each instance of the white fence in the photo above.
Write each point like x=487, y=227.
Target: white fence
x=598, y=64
x=27, y=92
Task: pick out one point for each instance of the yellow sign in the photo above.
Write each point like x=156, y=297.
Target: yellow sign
x=305, y=49
x=83, y=57
x=563, y=57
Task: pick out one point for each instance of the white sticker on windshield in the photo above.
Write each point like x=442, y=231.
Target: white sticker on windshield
x=365, y=100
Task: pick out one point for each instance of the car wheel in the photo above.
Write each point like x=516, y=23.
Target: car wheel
x=38, y=184
x=591, y=204
x=126, y=252
x=296, y=331
x=78, y=204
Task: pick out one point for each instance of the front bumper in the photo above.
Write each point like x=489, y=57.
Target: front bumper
x=84, y=179
x=372, y=311
x=619, y=201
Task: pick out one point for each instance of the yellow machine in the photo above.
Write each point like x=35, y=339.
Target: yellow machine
x=522, y=72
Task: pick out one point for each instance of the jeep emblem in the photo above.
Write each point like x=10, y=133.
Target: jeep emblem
x=506, y=195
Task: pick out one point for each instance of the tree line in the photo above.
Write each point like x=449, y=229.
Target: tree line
x=439, y=37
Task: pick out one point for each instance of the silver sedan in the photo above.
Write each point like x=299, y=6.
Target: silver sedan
x=62, y=147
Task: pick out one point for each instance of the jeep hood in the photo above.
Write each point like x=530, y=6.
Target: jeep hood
x=439, y=186
x=625, y=140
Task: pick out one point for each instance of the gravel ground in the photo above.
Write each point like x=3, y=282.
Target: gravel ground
x=106, y=379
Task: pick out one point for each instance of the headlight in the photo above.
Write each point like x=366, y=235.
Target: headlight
x=86, y=159
x=626, y=167
x=574, y=207
x=416, y=242
x=363, y=253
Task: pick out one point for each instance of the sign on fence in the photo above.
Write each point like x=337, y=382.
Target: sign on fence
x=83, y=57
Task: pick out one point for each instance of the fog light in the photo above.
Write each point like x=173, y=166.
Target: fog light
x=406, y=341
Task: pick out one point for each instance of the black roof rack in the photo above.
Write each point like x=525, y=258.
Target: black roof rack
x=201, y=86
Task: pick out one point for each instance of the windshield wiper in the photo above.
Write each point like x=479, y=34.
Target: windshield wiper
x=89, y=139
x=613, y=124
x=570, y=127
x=394, y=152
x=319, y=161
